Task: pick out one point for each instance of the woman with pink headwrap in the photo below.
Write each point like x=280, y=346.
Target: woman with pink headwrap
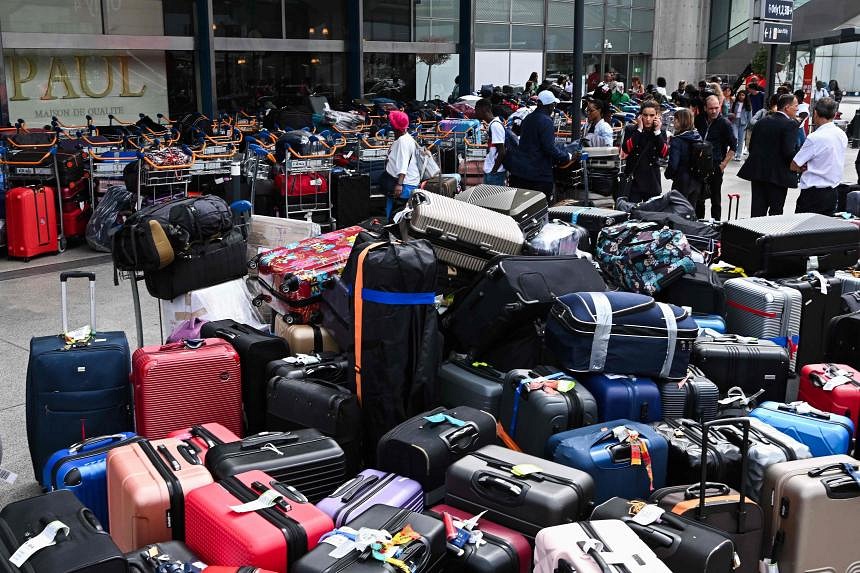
x=401, y=168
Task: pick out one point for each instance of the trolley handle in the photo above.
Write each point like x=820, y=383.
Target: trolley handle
x=49, y=153
x=64, y=277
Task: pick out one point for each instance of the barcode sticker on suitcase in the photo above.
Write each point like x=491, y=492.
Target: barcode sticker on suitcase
x=7, y=476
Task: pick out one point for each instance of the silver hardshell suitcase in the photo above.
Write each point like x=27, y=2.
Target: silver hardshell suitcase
x=763, y=309
x=463, y=235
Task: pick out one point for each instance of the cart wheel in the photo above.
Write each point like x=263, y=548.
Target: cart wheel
x=61, y=244
x=258, y=301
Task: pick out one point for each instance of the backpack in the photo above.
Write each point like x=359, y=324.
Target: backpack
x=701, y=160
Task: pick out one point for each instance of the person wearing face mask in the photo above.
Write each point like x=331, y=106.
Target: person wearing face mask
x=598, y=133
x=716, y=130
x=643, y=144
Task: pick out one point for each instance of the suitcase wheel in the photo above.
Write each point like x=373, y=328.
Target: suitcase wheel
x=61, y=244
x=257, y=301
x=290, y=284
x=252, y=264
x=292, y=318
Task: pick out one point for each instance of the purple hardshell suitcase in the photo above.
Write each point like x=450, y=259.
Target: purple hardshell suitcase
x=369, y=488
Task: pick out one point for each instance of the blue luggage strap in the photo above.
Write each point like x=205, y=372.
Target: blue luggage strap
x=396, y=298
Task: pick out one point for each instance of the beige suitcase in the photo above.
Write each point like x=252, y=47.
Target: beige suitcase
x=812, y=512
x=147, y=482
x=305, y=338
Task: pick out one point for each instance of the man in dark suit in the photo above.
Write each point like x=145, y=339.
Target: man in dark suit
x=768, y=167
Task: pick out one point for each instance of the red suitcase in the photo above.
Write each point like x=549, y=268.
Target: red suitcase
x=843, y=399
x=184, y=384
x=204, y=436
x=75, y=220
x=271, y=538
x=75, y=188
x=293, y=277
x=31, y=221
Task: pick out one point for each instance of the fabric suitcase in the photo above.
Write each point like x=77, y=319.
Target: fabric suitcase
x=820, y=302
x=824, y=433
x=76, y=391
x=471, y=383
x=632, y=466
x=463, y=235
x=505, y=550
x=537, y=404
x=558, y=238
x=807, y=500
x=594, y=219
x=274, y=537
x=204, y=436
x=82, y=469
x=369, y=488
x=685, y=440
x=528, y=208
x=421, y=554
x=305, y=338
x=749, y=363
x=31, y=222
x=422, y=447
x=832, y=388
x=186, y=383
x=293, y=403
x=592, y=332
x=84, y=548
x=304, y=459
x=619, y=396
x=336, y=313
x=843, y=339
x=694, y=397
x=512, y=291
x=327, y=366
x=784, y=245
x=683, y=545
x=147, y=483
x=701, y=291
x=443, y=185
x=524, y=501
x=571, y=548
x=255, y=349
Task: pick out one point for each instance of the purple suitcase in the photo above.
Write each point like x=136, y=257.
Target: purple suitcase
x=369, y=488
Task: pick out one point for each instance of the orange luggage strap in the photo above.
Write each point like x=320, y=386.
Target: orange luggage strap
x=358, y=305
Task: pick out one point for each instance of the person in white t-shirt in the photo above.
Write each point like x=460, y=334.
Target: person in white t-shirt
x=598, y=133
x=401, y=164
x=821, y=161
x=494, y=172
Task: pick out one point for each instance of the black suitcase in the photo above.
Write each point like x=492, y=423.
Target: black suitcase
x=85, y=548
x=71, y=165
x=490, y=479
x=523, y=347
x=818, y=309
x=447, y=157
x=513, y=291
x=305, y=459
x=592, y=218
x=695, y=397
x=422, y=448
x=424, y=555
x=750, y=363
x=782, y=245
x=148, y=559
x=528, y=208
x=293, y=403
x=351, y=198
x=702, y=291
x=682, y=544
x=256, y=349
x=470, y=383
x=326, y=366
x=843, y=340
x=539, y=403
x=685, y=461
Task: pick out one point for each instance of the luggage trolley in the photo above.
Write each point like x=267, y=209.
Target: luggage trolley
x=166, y=167
x=373, y=154
x=216, y=153
x=317, y=164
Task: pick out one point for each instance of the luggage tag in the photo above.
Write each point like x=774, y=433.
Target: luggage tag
x=442, y=418
x=78, y=337
x=648, y=514
x=344, y=539
x=267, y=499
x=835, y=382
x=45, y=539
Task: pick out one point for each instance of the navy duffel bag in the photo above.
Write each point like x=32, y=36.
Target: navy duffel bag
x=621, y=333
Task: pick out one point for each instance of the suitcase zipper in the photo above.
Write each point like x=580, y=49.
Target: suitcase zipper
x=374, y=489
x=396, y=522
x=176, y=513
x=56, y=468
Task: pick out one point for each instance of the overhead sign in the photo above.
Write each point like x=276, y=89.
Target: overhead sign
x=778, y=10
x=775, y=33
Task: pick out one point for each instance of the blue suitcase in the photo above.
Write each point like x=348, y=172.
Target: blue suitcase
x=78, y=390
x=625, y=397
x=82, y=469
x=620, y=332
x=713, y=322
x=596, y=451
x=824, y=433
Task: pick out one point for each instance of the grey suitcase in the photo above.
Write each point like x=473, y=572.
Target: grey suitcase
x=469, y=383
x=764, y=309
x=852, y=203
x=463, y=235
x=850, y=279
x=695, y=397
x=528, y=208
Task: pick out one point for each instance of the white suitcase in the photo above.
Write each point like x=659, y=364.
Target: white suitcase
x=763, y=309
x=601, y=546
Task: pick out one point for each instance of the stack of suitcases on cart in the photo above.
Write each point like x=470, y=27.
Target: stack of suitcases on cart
x=590, y=395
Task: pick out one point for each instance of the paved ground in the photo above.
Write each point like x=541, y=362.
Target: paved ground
x=30, y=306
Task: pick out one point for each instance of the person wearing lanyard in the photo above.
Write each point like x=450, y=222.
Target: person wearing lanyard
x=401, y=164
x=494, y=173
x=820, y=161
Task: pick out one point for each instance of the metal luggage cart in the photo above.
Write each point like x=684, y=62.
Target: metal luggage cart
x=246, y=123
x=169, y=178
x=106, y=167
x=318, y=163
x=373, y=153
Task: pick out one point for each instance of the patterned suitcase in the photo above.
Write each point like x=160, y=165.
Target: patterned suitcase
x=694, y=397
x=763, y=309
x=528, y=208
x=293, y=277
x=367, y=489
x=463, y=235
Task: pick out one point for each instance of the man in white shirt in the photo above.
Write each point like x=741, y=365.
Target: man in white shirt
x=494, y=172
x=401, y=164
x=821, y=160
x=598, y=133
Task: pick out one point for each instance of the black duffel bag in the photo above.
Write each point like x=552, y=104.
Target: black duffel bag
x=690, y=228
x=299, y=141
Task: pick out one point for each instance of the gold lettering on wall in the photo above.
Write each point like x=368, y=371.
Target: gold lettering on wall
x=60, y=74
x=84, y=80
x=17, y=80
x=126, y=90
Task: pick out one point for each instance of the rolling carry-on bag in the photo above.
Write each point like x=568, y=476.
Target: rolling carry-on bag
x=519, y=491
x=528, y=208
x=204, y=436
x=186, y=383
x=351, y=198
x=683, y=545
x=600, y=546
x=695, y=397
x=787, y=245
x=72, y=539
x=421, y=539
x=504, y=550
x=833, y=388
x=824, y=433
x=165, y=554
x=368, y=488
x=539, y=403
x=463, y=235
x=327, y=366
x=702, y=291
x=76, y=387
x=821, y=301
x=806, y=500
x=843, y=339
x=619, y=396
x=82, y=469
x=684, y=437
x=147, y=483
x=304, y=459
x=422, y=448
x=471, y=383
x=511, y=292
x=750, y=363
x=31, y=221
x=621, y=332
x=594, y=219
x=624, y=458
x=253, y=518
x=304, y=338
x=255, y=349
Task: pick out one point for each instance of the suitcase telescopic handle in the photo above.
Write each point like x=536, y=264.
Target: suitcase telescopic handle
x=64, y=278
x=706, y=427
x=692, y=492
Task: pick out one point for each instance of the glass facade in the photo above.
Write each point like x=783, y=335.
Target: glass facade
x=729, y=25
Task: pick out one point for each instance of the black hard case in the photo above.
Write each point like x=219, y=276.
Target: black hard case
x=174, y=550
x=685, y=461
x=817, y=310
x=843, y=340
x=702, y=291
x=696, y=398
x=779, y=246
x=751, y=364
x=329, y=367
x=471, y=383
x=351, y=197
